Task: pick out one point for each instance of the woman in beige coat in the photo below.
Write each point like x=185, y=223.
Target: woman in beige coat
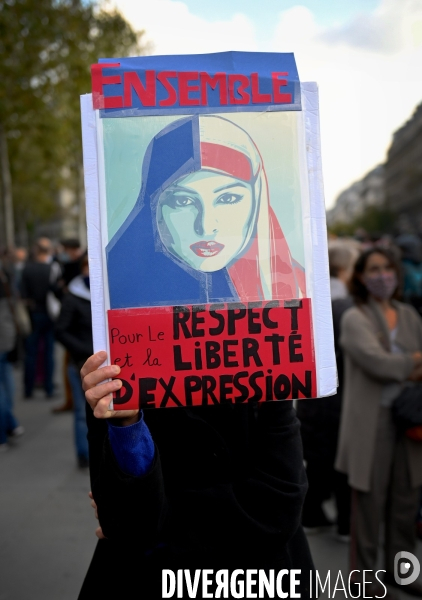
x=382, y=343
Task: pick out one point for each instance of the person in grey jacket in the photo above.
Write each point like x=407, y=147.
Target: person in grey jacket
x=382, y=343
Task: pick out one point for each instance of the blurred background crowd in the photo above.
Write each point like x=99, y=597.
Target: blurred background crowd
x=355, y=450
x=44, y=297
x=374, y=229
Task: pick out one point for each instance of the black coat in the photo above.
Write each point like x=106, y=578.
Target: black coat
x=35, y=285
x=320, y=417
x=74, y=327
x=225, y=491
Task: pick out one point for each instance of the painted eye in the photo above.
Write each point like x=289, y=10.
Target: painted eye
x=183, y=201
x=228, y=198
x=176, y=201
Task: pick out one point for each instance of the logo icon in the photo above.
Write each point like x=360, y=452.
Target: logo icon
x=406, y=568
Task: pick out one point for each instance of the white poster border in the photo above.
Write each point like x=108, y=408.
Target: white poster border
x=314, y=224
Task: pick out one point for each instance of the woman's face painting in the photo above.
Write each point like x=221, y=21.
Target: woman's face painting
x=204, y=218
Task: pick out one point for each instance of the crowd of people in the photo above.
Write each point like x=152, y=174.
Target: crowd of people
x=44, y=297
x=354, y=450
x=354, y=447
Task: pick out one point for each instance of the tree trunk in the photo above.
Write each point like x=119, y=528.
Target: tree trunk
x=6, y=180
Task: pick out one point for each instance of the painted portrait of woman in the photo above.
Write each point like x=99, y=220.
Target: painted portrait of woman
x=202, y=229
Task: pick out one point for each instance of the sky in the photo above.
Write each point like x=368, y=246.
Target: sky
x=365, y=55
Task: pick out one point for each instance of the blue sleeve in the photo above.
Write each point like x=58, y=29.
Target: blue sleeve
x=133, y=447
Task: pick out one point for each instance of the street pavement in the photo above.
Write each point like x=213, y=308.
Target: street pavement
x=46, y=522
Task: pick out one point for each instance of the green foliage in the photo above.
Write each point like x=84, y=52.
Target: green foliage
x=46, y=50
x=374, y=220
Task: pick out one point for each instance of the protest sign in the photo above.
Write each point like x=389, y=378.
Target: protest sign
x=206, y=229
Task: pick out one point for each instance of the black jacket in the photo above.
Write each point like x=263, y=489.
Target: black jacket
x=74, y=327
x=35, y=285
x=320, y=417
x=225, y=491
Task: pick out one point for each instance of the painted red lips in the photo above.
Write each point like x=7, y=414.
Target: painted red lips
x=206, y=249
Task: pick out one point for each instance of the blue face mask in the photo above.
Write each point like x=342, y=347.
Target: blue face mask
x=86, y=281
x=63, y=257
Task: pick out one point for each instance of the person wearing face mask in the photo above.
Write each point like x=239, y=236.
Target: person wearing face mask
x=382, y=343
x=74, y=331
x=70, y=261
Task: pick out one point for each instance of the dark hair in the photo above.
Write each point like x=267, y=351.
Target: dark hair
x=357, y=288
x=72, y=243
x=83, y=261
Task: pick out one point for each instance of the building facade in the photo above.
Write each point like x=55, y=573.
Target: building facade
x=403, y=174
x=352, y=202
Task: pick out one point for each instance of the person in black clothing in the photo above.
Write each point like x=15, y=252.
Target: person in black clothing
x=38, y=278
x=70, y=260
x=74, y=331
x=224, y=491
x=320, y=418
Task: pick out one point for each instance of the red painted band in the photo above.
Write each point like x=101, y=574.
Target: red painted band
x=223, y=158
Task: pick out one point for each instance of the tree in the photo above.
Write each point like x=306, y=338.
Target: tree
x=46, y=49
x=374, y=219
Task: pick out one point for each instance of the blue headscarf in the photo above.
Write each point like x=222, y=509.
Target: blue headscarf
x=141, y=271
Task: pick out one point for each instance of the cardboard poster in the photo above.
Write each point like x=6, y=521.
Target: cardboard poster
x=206, y=228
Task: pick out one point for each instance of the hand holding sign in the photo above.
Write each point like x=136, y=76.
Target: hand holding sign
x=213, y=353
x=206, y=211
x=99, y=389
x=99, y=531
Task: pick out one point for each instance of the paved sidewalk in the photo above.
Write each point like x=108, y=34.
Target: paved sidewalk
x=46, y=522
x=331, y=555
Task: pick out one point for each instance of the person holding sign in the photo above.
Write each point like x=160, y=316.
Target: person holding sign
x=206, y=487
x=207, y=317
